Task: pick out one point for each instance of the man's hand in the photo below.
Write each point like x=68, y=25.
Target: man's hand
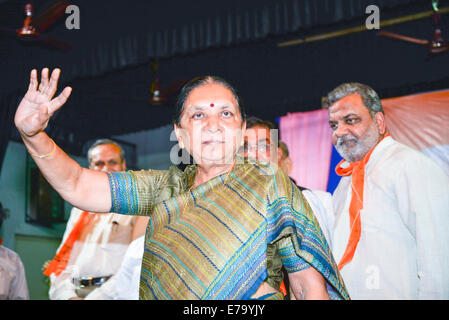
x=38, y=105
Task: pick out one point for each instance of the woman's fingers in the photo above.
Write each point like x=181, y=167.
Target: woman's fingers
x=57, y=102
x=53, y=84
x=44, y=80
x=33, y=80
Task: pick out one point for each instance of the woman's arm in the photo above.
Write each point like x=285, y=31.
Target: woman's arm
x=83, y=188
x=308, y=284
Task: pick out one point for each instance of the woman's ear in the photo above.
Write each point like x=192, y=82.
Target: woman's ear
x=242, y=142
x=179, y=136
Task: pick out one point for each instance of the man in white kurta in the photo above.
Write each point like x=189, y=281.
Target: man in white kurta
x=13, y=283
x=102, y=243
x=403, y=252
x=127, y=279
x=403, y=249
x=97, y=253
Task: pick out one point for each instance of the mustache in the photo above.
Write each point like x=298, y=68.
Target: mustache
x=342, y=140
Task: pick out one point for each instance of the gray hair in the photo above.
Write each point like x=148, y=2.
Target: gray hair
x=370, y=98
x=100, y=142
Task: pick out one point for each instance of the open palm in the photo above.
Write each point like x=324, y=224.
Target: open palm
x=38, y=105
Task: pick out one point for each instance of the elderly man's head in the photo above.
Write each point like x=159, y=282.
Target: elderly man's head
x=356, y=118
x=106, y=155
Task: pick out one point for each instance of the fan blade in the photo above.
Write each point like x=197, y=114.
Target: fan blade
x=49, y=16
x=401, y=37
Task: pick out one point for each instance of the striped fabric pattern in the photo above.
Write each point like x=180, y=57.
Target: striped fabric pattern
x=290, y=259
x=211, y=242
x=126, y=200
x=292, y=223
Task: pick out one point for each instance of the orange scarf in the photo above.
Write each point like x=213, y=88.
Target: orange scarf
x=61, y=259
x=357, y=170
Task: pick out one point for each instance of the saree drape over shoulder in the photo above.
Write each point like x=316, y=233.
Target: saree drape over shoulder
x=222, y=239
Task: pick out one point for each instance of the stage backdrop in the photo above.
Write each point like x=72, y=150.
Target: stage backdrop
x=420, y=121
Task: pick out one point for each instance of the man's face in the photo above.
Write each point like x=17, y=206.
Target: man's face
x=106, y=158
x=354, y=131
x=259, y=146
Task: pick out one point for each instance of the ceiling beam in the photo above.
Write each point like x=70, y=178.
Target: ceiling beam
x=362, y=28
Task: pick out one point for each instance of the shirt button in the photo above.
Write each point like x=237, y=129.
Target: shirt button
x=420, y=274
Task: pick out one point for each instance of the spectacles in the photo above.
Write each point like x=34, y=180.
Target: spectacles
x=260, y=147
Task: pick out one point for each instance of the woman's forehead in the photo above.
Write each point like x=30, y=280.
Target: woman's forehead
x=211, y=95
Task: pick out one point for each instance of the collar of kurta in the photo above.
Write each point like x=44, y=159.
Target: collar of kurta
x=357, y=171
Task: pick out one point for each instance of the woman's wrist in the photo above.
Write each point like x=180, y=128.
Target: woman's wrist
x=39, y=145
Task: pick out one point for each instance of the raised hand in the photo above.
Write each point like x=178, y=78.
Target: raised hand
x=38, y=105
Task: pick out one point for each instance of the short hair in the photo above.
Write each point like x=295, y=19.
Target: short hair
x=257, y=122
x=252, y=122
x=201, y=81
x=100, y=142
x=284, y=149
x=370, y=98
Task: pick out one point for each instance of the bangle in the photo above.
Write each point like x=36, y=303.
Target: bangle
x=45, y=155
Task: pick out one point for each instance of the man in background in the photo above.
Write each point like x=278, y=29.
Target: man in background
x=13, y=284
x=94, y=245
x=391, y=205
x=262, y=144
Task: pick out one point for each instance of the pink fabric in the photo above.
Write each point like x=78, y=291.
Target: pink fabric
x=309, y=141
x=419, y=121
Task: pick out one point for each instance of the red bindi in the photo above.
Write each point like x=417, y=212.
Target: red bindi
x=212, y=105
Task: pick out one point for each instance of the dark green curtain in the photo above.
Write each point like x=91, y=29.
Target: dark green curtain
x=115, y=35
x=8, y=105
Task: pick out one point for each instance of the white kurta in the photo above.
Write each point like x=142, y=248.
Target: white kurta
x=98, y=252
x=127, y=278
x=13, y=284
x=321, y=204
x=403, y=252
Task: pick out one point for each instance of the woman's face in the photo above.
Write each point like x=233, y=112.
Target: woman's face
x=211, y=126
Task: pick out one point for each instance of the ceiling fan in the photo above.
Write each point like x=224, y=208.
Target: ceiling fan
x=437, y=45
x=159, y=96
x=33, y=28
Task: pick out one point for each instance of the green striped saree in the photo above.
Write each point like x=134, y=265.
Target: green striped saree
x=222, y=239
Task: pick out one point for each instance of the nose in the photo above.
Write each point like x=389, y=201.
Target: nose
x=341, y=130
x=251, y=152
x=213, y=124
